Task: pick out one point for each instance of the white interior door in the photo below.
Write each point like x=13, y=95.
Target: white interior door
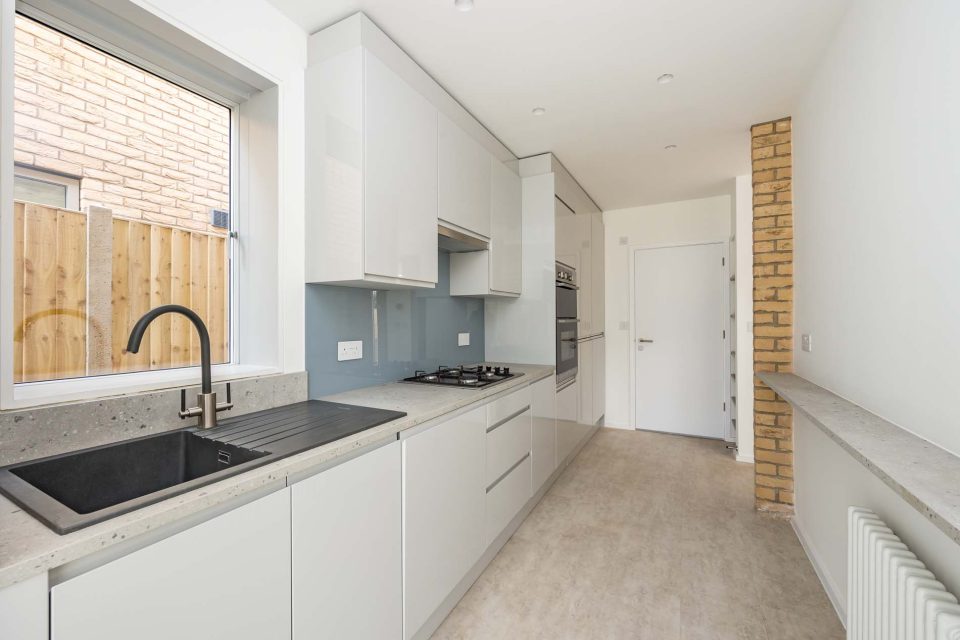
x=679, y=339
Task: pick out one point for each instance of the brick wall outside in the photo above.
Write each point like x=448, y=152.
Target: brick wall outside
x=772, y=310
x=142, y=146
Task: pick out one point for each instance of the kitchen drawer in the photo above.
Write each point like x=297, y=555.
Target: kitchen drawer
x=507, y=497
x=507, y=443
x=507, y=406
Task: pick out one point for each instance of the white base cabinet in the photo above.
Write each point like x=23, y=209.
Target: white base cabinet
x=443, y=512
x=227, y=578
x=346, y=550
x=544, y=449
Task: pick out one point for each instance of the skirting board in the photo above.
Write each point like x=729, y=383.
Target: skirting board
x=828, y=585
x=435, y=620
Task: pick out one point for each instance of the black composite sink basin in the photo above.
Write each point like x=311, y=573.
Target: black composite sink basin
x=74, y=490
x=95, y=479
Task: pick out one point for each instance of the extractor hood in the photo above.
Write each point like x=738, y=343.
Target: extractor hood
x=458, y=242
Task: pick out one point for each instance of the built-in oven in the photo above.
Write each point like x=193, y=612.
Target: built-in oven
x=566, y=284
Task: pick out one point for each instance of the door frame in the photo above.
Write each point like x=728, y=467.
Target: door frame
x=723, y=322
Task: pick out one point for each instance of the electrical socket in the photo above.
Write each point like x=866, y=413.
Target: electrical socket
x=806, y=342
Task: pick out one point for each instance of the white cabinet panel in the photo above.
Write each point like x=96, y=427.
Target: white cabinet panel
x=506, y=267
x=228, y=577
x=400, y=177
x=346, y=550
x=507, y=405
x=23, y=610
x=599, y=379
x=506, y=444
x=544, y=449
x=443, y=512
x=464, y=189
x=585, y=381
x=597, y=291
x=506, y=498
x=568, y=429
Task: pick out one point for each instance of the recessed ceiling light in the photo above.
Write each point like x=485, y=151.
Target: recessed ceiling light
x=665, y=78
x=538, y=111
x=463, y=5
x=670, y=147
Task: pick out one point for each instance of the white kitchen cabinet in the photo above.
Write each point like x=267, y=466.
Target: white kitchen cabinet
x=597, y=287
x=544, y=416
x=506, y=239
x=599, y=399
x=23, y=610
x=506, y=498
x=464, y=180
x=443, y=512
x=228, y=577
x=346, y=550
x=498, y=271
x=568, y=428
x=371, y=173
x=585, y=374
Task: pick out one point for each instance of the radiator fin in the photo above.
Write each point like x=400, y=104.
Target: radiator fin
x=891, y=595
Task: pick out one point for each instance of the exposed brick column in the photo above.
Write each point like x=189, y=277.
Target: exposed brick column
x=772, y=310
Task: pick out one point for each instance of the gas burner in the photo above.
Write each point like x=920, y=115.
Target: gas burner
x=472, y=377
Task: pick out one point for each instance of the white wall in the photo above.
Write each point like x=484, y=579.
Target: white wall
x=876, y=144
x=828, y=480
x=876, y=173
x=260, y=37
x=685, y=222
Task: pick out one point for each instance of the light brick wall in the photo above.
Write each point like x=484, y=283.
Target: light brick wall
x=142, y=146
x=772, y=310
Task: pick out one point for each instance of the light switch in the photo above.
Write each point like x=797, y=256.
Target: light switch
x=806, y=342
x=463, y=339
x=350, y=350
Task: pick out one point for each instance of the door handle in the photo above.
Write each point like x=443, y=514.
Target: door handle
x=647, y=340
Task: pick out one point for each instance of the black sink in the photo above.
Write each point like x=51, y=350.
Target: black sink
x=95, y=479
x=74, y=490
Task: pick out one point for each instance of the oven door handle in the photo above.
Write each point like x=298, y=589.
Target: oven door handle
x=566, y=320
x=564, y=285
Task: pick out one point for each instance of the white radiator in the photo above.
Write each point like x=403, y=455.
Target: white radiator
x=890, y=593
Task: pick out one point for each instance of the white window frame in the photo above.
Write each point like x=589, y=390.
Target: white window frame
x=31, y=394
x=72, y=183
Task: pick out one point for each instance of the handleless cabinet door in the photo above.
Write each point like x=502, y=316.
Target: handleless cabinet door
x=599, y=379
x=597, y=255
x=346, y=550
x=506, y=268
x=544, y=451
x=400, y=177
x=585, y=381
x=228, y=577
x=443, y=512
x=464, y=187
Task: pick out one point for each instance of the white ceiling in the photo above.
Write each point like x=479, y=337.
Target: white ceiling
x=593, y=65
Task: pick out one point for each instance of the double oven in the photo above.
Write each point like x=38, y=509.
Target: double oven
x=566, y=284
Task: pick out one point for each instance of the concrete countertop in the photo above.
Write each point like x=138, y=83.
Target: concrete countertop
x=28, y=548
x=923, y=474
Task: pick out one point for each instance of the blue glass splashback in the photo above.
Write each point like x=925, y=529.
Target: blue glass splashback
x=415, y=329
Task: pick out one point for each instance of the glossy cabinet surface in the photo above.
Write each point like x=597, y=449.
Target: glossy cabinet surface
x=371, y=175
x=228, y=577
x=544, y=438
x=597, y=273
x=464, y=189
x=443, y=512
x=347, y=550
x=585, y=375
x=506, y=236
x=23, y=610
x=399, y=178
x=506, y=498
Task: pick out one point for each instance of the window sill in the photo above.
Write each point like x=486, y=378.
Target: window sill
x=35, y=394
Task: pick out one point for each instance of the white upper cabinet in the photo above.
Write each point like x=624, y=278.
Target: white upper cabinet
x=464, y=196
x=400, y=177
x=371, y=174
x=497, y=272
x=597, y=257
x=506, y=239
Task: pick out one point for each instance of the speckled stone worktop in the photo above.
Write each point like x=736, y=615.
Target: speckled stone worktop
x=923, y=474
x=28, y=548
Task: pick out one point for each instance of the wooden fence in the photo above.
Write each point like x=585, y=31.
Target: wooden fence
x=82, y=279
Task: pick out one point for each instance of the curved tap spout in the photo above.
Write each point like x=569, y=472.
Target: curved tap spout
x=136, y=336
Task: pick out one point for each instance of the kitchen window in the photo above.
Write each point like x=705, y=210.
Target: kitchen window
x=121, y=202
